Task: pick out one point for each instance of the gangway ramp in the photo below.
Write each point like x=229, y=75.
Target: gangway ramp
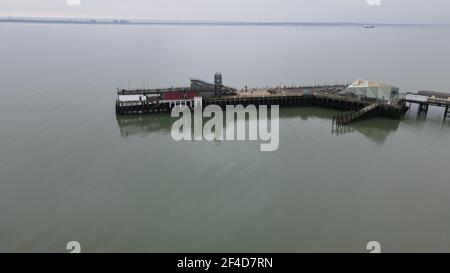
x=350, y=116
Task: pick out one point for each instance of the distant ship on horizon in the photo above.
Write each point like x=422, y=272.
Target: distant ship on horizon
x=369, y=26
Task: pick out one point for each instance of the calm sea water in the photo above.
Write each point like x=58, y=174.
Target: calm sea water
x=71, y=170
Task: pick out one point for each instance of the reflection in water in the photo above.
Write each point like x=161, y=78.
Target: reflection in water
x=377, y=129
x=143, y=125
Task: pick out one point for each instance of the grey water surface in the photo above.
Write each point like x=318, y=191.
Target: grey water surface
x=71, y=170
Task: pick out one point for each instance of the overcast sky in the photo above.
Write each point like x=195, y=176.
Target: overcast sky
x=395, y=11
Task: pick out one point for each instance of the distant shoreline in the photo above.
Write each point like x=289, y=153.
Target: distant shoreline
x=94, y=21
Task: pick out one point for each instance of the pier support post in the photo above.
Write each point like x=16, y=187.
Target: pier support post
x=423, y=108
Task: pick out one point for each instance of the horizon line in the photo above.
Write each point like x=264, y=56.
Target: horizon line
x=118, y=21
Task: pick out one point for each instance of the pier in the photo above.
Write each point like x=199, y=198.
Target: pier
x=362, y=99
x=353, y=108
x=284, y=97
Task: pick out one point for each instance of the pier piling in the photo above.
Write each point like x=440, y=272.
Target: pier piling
x=423, y=109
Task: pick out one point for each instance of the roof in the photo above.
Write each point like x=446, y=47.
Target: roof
x=365, y=83
x=224, y=87
x=433, y=93
x=202, y=81
x=128, y=98
x=413, y=97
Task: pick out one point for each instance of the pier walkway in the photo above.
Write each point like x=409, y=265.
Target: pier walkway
x=424, y=103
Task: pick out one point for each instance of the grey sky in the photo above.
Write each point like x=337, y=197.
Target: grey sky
x=395, y=11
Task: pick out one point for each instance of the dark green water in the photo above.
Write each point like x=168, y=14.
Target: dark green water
x=71, y=170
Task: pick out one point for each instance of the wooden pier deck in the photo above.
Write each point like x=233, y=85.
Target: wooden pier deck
x=354, y=108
